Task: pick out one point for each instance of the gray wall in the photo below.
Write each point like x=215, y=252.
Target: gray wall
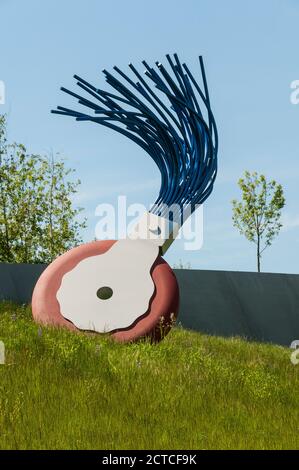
x=18, y=280
x=263, y=307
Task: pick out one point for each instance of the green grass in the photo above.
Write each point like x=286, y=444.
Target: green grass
x=60, y=390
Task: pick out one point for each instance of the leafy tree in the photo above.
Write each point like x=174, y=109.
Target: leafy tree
x=182, y=265
x=258, y=215
x=37, y=218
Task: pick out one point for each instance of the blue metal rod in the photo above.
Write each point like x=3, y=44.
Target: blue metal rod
x=182, y=143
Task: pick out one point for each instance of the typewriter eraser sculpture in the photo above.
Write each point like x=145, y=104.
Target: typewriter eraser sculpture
x=125, y=288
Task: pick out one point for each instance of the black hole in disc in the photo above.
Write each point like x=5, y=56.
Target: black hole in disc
x=104, y=293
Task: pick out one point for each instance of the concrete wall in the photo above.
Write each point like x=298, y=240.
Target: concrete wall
x=263, y=307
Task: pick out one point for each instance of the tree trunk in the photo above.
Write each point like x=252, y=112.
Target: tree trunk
x=258, y=255
x=3, y=196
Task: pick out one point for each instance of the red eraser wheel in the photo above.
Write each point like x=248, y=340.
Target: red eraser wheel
x=155, y=323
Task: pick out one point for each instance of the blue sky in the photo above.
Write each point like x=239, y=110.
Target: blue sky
x=251, y=57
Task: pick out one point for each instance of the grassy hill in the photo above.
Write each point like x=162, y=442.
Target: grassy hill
x=60, y=390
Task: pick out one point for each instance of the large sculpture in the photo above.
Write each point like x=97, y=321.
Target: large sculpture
x=124, y=287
